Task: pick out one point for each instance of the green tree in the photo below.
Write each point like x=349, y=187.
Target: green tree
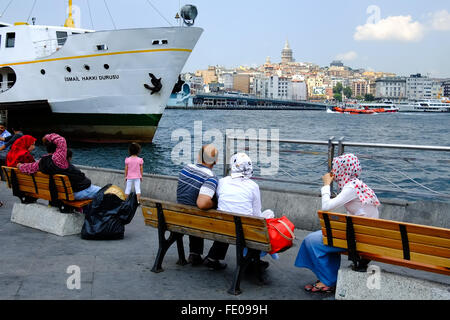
x=338, y=88
x=359, y=98
x=369, y=97
x=338, y=97
x=348, y=92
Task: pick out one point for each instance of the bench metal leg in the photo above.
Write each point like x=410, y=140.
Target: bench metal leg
x=181, y=257
x=164, y=245
x=241, y=264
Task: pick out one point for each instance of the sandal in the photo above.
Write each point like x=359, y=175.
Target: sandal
x=309, y=287
x=324, y=289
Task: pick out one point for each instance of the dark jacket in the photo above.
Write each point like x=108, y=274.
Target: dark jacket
x=77, y=179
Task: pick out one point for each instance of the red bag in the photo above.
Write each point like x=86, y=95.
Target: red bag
x=281, y=233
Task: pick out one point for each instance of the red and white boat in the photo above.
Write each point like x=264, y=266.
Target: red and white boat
x=366, y=108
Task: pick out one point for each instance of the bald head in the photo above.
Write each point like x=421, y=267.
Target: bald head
x=208, y=155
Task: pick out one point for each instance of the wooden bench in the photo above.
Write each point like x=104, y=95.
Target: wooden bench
x=241, y=230
x=404, y=244
x=56, y=189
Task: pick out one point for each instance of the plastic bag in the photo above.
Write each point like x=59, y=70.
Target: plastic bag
x=107, y=215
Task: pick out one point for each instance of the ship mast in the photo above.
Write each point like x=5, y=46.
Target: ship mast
x=69, y=21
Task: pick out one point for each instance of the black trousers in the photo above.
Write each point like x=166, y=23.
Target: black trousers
x=218, y=250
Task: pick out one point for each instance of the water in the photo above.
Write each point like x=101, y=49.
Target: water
x=430, y=170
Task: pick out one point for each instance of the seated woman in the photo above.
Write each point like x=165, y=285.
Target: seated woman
x=55, y=162
x=239, y=194
x=21, y=151
x=358, y=199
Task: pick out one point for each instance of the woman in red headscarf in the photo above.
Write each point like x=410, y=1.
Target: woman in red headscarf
x=21, y=151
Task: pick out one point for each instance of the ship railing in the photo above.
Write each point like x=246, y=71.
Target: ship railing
x=398, y=171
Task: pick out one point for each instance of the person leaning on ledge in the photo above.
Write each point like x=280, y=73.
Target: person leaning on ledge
x=197, y=185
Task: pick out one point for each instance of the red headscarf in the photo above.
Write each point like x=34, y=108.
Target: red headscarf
x=19, y=151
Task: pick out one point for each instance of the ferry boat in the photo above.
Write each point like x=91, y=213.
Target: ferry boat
x=365, y=108
x=435, y=105
x=92, y=86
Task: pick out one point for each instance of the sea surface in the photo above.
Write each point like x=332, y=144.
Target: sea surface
x=398, y=174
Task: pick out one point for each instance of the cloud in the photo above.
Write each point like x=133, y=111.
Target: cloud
x=347, y=56
x=394, y=28
x=440, y=20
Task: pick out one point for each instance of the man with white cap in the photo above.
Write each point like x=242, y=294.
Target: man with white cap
x=197, y=186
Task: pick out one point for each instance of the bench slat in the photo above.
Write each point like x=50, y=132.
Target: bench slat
x=391, y=234
x=391, y=243
x=211, y=236
x=389, y=224
x=41, y=181
x=208, y=224
x=226, y=216
x=392, y=253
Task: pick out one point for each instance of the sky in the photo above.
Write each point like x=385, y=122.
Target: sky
x=399, y=36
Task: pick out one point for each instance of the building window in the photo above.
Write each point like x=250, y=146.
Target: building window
x=10, y=39
x=61, y=37
x=101, y=47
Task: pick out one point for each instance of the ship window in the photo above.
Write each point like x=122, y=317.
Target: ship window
x=61, y=36
x=69, y=69
x=102, y=47
x=164, y=41
x=87, y=67
x=11, y=79
x=106, y=66
x=42, y=71
x=155, y=42
x=10, y=39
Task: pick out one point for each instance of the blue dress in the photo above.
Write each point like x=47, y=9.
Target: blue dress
x=321, y=259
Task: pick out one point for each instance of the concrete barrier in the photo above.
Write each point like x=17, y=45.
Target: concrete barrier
x=299, y=206
x=48, y=219
x=384, y=285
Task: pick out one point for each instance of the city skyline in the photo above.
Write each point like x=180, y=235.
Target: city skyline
x=404, y=37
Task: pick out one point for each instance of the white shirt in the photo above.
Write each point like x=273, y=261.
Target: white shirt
x=239, y=195
x=350, y=200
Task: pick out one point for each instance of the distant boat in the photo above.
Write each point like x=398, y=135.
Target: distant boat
x=365, y=108
x=433, y=105
x=95, y=86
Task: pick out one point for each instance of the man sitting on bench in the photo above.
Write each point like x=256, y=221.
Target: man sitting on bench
x=55, y=162
x=197, y=186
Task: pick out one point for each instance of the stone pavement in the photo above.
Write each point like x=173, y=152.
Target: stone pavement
x=33, y=265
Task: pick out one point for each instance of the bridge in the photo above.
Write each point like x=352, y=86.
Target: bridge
x=247, y=102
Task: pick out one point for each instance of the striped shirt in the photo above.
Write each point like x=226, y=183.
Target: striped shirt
x=195, y=179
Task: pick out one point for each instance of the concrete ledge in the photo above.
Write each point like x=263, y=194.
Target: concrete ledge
x=384, y=285
x=48, y=219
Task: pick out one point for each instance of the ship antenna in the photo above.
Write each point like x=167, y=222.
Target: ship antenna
x=69, y=21
x=34, y=3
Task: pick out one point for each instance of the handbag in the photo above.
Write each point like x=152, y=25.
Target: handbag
x=281, y=234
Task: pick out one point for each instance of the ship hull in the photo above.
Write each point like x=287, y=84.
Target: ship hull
x=88, y=127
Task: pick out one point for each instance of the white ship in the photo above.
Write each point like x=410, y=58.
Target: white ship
x=435, y=105
x=108, y=86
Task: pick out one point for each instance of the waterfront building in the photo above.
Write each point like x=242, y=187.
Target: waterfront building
x=446, y=88
x=391, y=88
x=195, y=83
x=420, y=87
x=298, y=88
x=208, y=75
x=241, y=82
x=286, y=54
x=359, y=88
x=227, y=78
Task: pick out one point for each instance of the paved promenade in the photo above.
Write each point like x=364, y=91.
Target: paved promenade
x=33, y=265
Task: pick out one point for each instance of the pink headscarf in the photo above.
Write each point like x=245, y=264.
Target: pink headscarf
x=347, y=169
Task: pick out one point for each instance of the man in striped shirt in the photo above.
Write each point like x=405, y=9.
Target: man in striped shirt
x=197, y=186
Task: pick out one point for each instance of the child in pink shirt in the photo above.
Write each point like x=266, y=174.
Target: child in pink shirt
x=134, y=168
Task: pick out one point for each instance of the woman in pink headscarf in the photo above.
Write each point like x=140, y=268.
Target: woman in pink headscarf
x=358, y=199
